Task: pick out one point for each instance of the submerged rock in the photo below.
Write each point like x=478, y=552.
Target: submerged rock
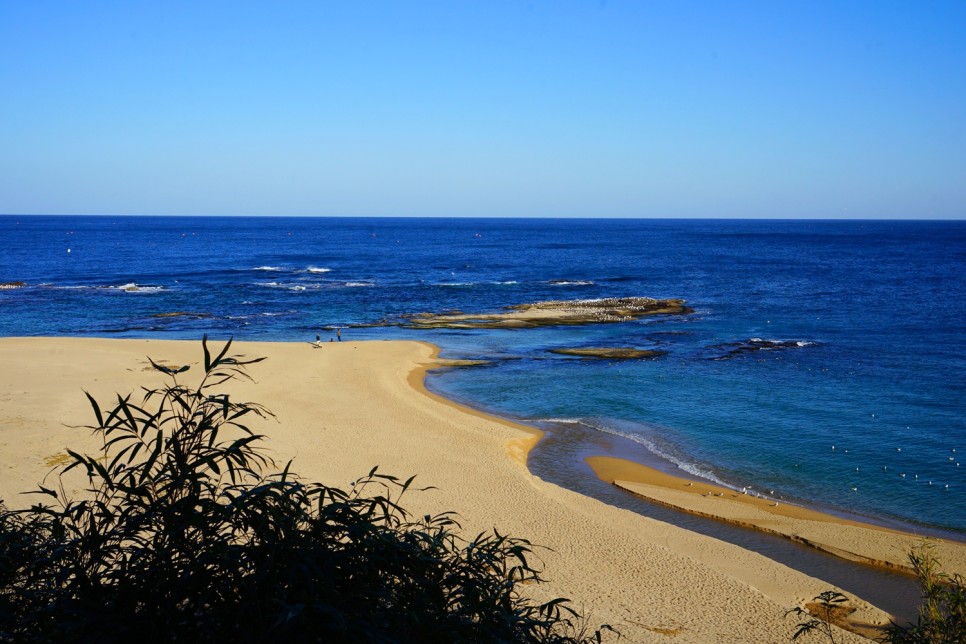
x=180, y=314
x=612, y=353
x=462, y=364
x=734, y=349
x=552, y=313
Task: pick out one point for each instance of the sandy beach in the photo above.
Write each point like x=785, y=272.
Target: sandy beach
x=345, y=407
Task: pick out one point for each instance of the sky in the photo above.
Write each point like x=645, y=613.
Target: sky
x=487, y=108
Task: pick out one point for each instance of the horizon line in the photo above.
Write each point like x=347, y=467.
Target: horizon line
x=489, y=217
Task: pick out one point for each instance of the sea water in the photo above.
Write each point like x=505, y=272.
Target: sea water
x=823, y=362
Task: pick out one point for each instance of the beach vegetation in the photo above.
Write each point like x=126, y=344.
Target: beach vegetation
x=819, y=616
x=942, y=613
x=186, y=531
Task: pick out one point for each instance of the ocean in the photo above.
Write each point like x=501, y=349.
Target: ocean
x=823, y=362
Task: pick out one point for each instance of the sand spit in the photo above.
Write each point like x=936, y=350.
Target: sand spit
x=346, y=407
x=759, y=509
x=552, y=313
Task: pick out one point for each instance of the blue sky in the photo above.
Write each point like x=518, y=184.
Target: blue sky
x=486, y=108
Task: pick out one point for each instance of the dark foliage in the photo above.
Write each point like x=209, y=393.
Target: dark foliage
x=182, y=537
x=942, y=615
x=827, y=605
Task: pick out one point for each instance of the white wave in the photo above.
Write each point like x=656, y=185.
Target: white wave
x=266, y=268
x=358, y=284
x=507, y=283
x=571, y=283
x=314, y=269
x=288, y=287
x=691, y=468
x=782, y=343
x=71, y=287
x=457, y=284
x=131, y=287
x=259, y=315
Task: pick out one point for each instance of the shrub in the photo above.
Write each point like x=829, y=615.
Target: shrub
x=942, y=615
x=182, y=536
x=827, y=609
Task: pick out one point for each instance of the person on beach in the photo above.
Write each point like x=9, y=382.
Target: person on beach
x=338, y=334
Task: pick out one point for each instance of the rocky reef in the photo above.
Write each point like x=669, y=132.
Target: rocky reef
x=551, y=313
x=611, y=353
x=182, y=314
x=728, y=350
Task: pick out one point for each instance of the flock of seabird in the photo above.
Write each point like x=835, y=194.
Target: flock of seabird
x=885, y=468
x=746, y=490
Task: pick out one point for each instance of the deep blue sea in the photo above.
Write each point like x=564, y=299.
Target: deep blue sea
x=806, y=334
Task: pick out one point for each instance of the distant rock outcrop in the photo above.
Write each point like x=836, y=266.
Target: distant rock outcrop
x=733, y=349
x=182, y=314
x=612, y=353
x=552, y=313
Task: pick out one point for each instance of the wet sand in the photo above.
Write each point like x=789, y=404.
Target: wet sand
x=344, y=407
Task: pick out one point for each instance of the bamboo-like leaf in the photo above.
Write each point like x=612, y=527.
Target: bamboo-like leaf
x=97, y=409
x=224, y=350
x=168, y=370
x=155, y=453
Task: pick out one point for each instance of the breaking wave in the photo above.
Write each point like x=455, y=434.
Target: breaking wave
x=598, y=425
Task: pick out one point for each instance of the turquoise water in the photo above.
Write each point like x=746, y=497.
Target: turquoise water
x=806, y=334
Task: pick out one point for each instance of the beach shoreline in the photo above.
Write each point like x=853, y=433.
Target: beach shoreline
x=850, y=539
x=661, y=472
x=345, y=407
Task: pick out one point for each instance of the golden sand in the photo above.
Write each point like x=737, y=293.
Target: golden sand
x=345, y=407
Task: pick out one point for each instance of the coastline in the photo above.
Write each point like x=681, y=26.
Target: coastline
x=846, y=538
x=345, y=407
